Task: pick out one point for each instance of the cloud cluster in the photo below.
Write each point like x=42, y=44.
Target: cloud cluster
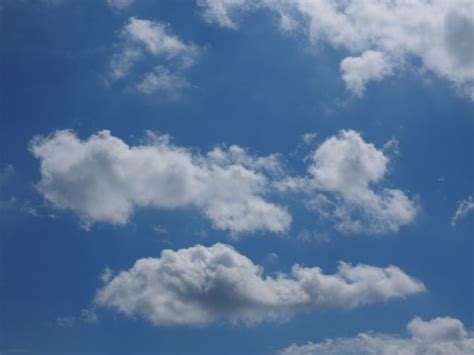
x=104, y=179
x=379, y=35
x=201, y=284
x=142, y=39
x=344, y=181
x=435, y=337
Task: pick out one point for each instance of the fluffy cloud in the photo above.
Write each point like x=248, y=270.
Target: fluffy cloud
x=436, y=337
x=104, y=179
x=439, y=33
x=344, y=181
x=201, y=284
x=357, y=71
x=464, y=208
x=142, y=39
x=120, y=4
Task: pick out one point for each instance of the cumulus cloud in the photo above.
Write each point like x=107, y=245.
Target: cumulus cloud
x=344, y=184
x=439, y=33
x=465, y=207
x=201, y=284
x=103, y=179
x=145, y=39
x=357, y=71
x=435, y=337
x=120, y=4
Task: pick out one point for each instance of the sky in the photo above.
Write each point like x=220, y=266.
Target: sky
x=236, y=177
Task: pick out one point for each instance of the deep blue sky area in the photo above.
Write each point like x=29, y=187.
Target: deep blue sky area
x=258, y=87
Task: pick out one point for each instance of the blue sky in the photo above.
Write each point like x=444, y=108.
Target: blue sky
x=265, y=127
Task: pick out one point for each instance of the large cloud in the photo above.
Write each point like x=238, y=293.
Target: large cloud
x=104, y=179
x=345, y=184
x=439, y=33
x=205, y=284
x=171, y=55
x=440, y=336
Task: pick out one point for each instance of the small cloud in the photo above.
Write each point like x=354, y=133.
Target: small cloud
x=312, y=236
x=358, y=71
x=88, y=316
x=85, y=316
x=465, y=207
x=392, y=147
x=144, y=40
x=160, y=229
x=106, y=275
x=162, y=81
x=66, y=322
x=309, y=138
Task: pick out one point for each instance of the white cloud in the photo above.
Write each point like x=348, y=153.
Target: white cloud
x=142, y=39
x=222, y=11
x=439, y=33
x=120, y=4
x=465, y=207
x=162, y=80
x=157, y=39
x=201, y=284
x=102, y=179
x=344, y=184
x=435, y=337
x=357, y=71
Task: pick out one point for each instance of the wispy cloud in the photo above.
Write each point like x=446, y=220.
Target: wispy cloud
x=464, y=208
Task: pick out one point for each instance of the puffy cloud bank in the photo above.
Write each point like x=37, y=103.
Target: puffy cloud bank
x=102, y=179
x=345, y=184
x=201, y=284
x=440, y=336
x=379, y=35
